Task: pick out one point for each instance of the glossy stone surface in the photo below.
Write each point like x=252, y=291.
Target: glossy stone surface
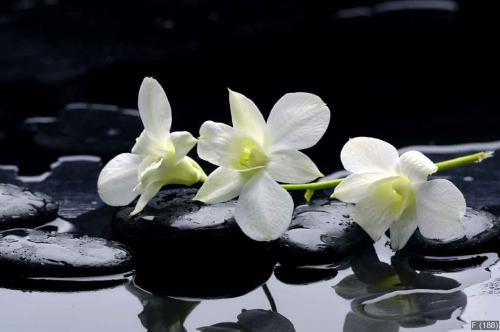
x=38, y=254
x=173, y=216
x=194, y=239
x=321, y=233
x=22, y=207
x=103, y=130
x=482, y=234
x=71, y=182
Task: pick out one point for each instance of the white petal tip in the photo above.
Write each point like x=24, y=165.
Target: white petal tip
x=148, y=80
x=133, y=213
x=198, y=199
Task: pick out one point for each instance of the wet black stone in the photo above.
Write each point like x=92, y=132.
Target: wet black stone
x=321, y=233
x=204, y=273
x=173, y=216
x=22, y=207
x=71, y=182
x=37, y=254
x=303, y=275
x=103, y=130
x=192, y=240
x=482, y=234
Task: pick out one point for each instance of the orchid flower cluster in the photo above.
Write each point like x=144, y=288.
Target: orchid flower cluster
x=254, y=156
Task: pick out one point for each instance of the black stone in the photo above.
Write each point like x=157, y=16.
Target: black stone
x=71, y=182
x=208, y=271
x=482, y=234
x=28, y=253
x=103, y=130
x=173, y=216
x=193, y=240
x=321, y=233
x=303, y=275
x=22, y=207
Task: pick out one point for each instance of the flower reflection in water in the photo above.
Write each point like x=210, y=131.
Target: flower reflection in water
x=386, y=296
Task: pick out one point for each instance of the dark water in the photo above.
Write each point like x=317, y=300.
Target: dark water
x=375, y=290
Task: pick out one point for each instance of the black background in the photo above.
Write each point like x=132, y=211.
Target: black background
x=408, y=76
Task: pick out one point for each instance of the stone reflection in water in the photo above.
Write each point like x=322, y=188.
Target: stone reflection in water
x=388, y=296
x=255, y=320
x=162, y=313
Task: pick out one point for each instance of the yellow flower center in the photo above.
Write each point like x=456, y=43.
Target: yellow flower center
x=396, y=194
x=247, y=154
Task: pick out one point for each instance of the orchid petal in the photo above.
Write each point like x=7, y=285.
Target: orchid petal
x=416, y=166
x=440, y=208
x=183, y=142
x=185, y=172
x=118, y=179
x=264, y=209
x=297, y=121
x=353, y=188
x=292, y=166
x=148, y=193
x=214, y=142
x=154, y=109
x=222, y=185
x=384, y=202
x=403, y=229
x=368, y=155
x=246, y=116
x=144, y=145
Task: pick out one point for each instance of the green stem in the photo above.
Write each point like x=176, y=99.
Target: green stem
x=443, y=165
x=463, y=161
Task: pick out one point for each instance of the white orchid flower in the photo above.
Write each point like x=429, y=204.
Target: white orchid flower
x=392, y=192
x=158, y=157
x=253, y=155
